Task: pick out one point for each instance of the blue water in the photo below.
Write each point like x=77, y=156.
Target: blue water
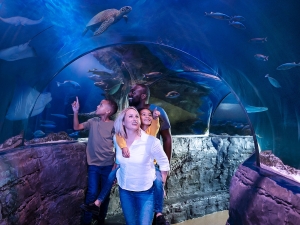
x=199, y=43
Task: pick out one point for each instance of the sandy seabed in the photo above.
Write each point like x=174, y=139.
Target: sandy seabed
x=218, y=218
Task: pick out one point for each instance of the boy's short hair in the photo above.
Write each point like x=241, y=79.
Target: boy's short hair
x=113, y=106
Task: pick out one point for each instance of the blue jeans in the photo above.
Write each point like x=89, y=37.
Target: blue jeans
x=108, y=185
x=97, y=177
x=158, y=191
x=137, y=206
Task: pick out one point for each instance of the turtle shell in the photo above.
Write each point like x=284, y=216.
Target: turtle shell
x=101, y=17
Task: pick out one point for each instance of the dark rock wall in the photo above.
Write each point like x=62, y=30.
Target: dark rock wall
x=259, y=197
x=42, y=184
x=45, y=184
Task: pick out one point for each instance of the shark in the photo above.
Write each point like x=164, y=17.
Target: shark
x=19, y=20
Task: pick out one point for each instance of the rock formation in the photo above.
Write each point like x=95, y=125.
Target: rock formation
x=262, y=197
x=45, y=184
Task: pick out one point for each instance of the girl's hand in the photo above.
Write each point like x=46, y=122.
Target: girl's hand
x=125, y=152
x=156, y=113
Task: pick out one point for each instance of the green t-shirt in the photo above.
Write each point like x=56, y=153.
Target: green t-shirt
x=100, y=148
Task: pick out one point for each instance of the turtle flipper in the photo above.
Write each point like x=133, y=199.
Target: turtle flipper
x=84, y=32
x=104, y=26
x=125, y=18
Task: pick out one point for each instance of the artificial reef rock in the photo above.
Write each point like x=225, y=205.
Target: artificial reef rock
x=46, y=183
x=262, y=197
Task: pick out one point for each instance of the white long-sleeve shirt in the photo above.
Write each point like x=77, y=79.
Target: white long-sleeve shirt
x=137, y=172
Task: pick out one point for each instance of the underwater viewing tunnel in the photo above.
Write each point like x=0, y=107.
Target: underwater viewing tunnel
x=225, y=72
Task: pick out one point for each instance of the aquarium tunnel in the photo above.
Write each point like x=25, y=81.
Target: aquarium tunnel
x=216, y=67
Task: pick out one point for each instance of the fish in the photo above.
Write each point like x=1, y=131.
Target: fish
x=152, y=75
x=48, y=125
x=100, y=84
x=237, y=18
x=258, y=40
x=19, y=20
x=96, y=78
x=74, y=134
x=261, y=57
x=38, y=133
x=237, y=25
x=17, y=52
x=107, y=84
x=273, y=81
x=255, y=109
x=287, y=66
x=69, y=83
x=59, y=115
x=27, y=102
x=47, y=121
x=100, y=73
x=172, y=94
x=218, y=16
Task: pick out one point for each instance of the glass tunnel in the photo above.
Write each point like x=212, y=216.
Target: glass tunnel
x=216, y=67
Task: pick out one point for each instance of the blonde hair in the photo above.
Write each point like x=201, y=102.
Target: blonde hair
x=118, y=125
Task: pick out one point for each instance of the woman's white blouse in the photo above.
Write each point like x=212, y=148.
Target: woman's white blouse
x=137, y=172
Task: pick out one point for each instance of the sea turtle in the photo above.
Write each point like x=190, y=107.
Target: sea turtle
x=106, y=18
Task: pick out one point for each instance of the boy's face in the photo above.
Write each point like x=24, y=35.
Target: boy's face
x=103, y=108
x=146, y=117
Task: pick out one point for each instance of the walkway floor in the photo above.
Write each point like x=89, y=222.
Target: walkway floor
x=218, y=218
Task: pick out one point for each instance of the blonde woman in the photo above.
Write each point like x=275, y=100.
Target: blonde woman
x=137, y=173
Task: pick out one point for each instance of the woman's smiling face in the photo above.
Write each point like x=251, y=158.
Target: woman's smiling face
x=132, y=120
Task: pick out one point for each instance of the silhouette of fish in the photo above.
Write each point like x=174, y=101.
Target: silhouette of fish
x=96, y=78
x=19, y=51
x=103, y=74
x=254, y=109
x=38, y=133
x=172, y=94
x=59, y=115
x=47, y=121
x=218, y=16
x=237, y=25
x=152, y=75
x=258, y=40
x=19, y=20
x=74, y=134
x=261, y=57
x=237, y=18
x=69, y=83
x=287, y=66
x=48, y=125
x=273, y=81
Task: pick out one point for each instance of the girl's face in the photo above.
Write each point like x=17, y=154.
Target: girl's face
x=132, y=120
x=146, y=117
